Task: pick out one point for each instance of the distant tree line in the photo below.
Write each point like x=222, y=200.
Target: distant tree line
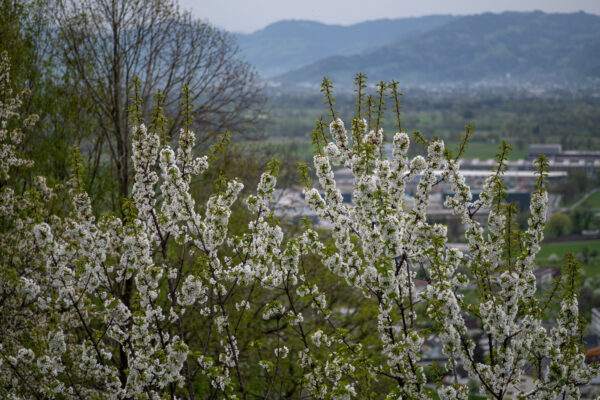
x=570, y=119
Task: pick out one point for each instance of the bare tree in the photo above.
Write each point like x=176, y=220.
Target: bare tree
x=108, y=43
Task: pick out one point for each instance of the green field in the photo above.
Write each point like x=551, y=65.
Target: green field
x=592, y=202
x=560, y=249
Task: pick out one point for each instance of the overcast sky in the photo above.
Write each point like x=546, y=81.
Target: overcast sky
x=250, y=15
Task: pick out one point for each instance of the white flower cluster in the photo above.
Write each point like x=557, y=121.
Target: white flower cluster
x=10, y=139
x=378, y=241
x=174, y=298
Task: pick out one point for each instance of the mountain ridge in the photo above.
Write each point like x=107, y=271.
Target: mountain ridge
x=511, y=46
x=289, y=44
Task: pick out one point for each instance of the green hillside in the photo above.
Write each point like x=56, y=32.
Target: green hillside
x=503, y=48
x=287, y=45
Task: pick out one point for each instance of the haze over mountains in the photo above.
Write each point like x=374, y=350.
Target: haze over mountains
x=507, y=48
x=287, y=45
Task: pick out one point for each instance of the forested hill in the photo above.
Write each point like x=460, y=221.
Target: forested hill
x=502, y=48
x=287, y=45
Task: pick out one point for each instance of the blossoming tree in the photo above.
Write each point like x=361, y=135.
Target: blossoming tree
x=167, y=301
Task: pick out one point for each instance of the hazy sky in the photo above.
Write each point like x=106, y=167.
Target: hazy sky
x=251, y=15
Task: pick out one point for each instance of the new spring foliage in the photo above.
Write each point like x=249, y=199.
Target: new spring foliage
x=162, y=301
